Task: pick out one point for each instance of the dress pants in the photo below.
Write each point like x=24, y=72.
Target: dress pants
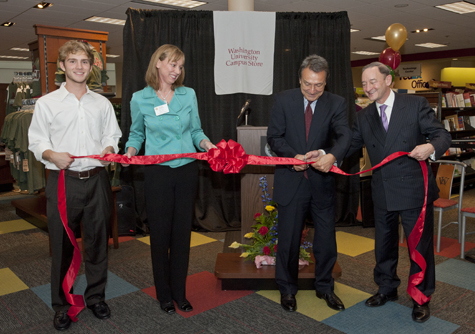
x=90, y=201
x=170, y=195
x=387, y=246
x=291, y=221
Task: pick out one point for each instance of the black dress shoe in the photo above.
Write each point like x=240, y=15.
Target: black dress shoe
x=380, y=299
x=332, y=300
x=288, y=302
x=168, y=308
x=100, y=310
x=185, y=306
x=421, y=313
x=61, y=320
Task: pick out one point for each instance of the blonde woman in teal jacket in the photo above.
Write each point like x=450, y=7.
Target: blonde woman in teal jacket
x=165, y=116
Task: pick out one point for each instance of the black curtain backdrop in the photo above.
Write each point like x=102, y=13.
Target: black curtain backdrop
x=298, y=35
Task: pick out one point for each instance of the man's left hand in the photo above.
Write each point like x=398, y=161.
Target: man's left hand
x=107, y=150
x=422, y=152
x=324, y=163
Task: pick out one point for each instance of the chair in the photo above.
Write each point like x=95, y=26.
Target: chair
x=466, y=212
x=444, y=179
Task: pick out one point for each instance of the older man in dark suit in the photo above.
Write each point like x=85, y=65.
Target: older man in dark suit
x=307, y=123
x=399, y=122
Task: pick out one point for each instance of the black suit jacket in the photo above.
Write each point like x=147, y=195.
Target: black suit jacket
x=399, y=185
x=286, y=136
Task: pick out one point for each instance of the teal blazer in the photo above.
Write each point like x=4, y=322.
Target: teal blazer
x=178, y=131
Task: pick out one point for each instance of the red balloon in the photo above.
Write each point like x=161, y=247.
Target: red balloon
x=390, y=57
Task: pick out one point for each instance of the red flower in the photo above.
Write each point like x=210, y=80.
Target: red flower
x=257, y=215
x=263, y=230
x=275, y=248
x=266, y=250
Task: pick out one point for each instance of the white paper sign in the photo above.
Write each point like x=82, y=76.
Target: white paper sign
x=244, y=52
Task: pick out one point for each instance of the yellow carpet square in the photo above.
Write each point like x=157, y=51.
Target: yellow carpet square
x=10, y=283
x=196, y=239
x=353, y=245
x=15, y=226
x=315, y=308
x=145, y=240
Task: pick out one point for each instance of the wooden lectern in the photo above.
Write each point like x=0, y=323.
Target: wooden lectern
x=235, y=272
x=253, y=139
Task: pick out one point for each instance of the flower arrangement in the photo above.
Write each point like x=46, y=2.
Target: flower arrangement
x=264, y=241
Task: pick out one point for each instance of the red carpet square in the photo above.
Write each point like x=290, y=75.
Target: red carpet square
x=204, y=293
x=448, y=247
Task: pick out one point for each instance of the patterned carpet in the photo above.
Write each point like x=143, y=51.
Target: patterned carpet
x=25, y=297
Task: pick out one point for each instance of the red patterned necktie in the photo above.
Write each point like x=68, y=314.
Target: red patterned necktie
x=308, y=119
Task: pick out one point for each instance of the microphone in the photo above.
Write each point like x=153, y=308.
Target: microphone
x=244, y=107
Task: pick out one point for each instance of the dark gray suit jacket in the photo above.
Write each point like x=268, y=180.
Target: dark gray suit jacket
x=286, y=136
x=399, y=185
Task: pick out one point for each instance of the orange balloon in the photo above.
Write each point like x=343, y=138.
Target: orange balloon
x=396, y=35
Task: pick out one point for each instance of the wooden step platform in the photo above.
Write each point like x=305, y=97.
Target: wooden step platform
x=33, y=210
x=235, y=273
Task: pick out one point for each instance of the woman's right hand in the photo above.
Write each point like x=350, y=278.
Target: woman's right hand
x=131, y=151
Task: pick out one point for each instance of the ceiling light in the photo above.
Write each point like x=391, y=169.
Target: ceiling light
x=112, y=56
x=99, y=19
x=354, y=30
x=431, y=45
x=379, y=38
x=176, y=3
x=8, y=24
x=460, y=7
x=365, y=53
x=422, y=30
x=14, y=57
x=20, y=49
x=43, y=5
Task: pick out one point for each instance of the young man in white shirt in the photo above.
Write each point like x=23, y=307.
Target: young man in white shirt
x=74, y=121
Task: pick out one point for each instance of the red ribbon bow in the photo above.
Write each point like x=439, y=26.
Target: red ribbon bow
x=230, y=157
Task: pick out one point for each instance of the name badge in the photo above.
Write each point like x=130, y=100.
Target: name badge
x=162, y=109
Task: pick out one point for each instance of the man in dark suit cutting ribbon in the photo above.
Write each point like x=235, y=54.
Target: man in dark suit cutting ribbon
x=307, y=123
x=400, y=122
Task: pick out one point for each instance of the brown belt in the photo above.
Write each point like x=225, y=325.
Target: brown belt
x=84, y=174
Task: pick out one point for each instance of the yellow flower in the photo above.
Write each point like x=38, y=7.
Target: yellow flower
x=270, y=208
x=245, y=254
x=249, y=235
x=235, y=245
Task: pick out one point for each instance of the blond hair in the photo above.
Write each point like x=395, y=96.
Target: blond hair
x=75, y=47
x=173, y=53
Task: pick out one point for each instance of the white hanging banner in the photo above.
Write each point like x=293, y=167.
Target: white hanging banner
x=244, y=52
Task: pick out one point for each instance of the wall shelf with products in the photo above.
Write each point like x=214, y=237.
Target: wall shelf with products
x=460, y=122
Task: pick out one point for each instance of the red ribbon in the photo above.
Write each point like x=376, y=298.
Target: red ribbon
x=76, y=301
x=416, y=233
x=229, y=157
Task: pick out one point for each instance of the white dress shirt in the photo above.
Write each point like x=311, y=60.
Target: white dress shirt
x=62, y=123
x=389, y=103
